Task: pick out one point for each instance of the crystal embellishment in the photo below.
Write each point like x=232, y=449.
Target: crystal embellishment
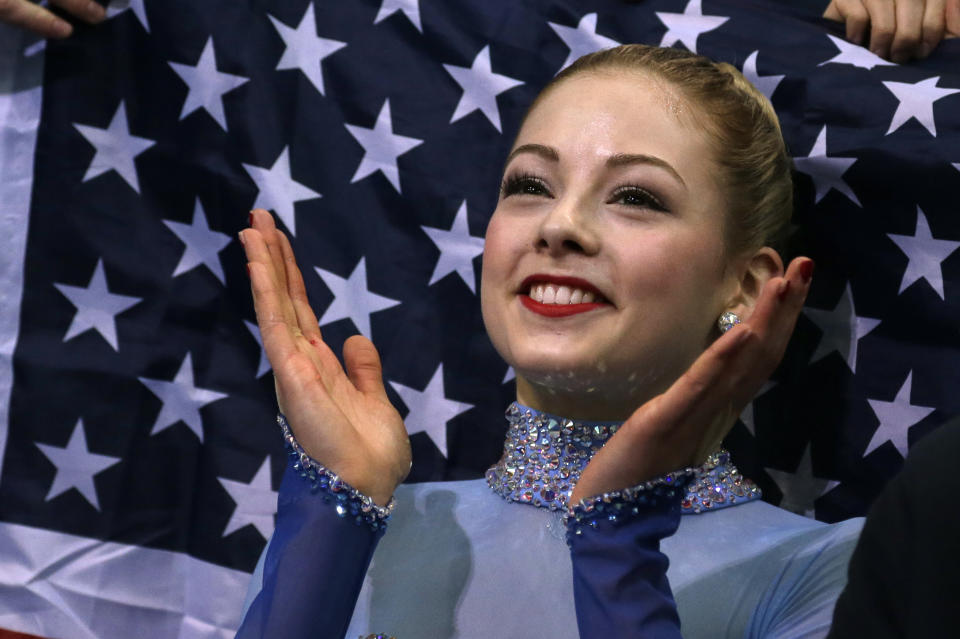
x=347, y=501
x=620, y=506
x=544, y=455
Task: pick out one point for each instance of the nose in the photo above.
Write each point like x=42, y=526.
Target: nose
x=568, y=227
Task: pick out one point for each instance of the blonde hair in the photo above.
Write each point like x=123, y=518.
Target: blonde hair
x=742, y=128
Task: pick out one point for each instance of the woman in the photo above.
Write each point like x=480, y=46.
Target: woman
x=639, y=205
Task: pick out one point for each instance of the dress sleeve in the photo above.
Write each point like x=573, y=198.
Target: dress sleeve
x=318, y=556
x=620, y=585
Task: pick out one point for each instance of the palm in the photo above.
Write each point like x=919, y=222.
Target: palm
x=343, y=419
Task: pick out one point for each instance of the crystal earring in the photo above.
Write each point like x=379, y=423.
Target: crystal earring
x=727, y=321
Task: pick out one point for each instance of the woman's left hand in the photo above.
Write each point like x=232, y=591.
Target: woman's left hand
x=682, y=426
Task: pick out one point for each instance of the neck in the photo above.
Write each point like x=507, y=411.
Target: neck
x=544, y=455
x=588, y=404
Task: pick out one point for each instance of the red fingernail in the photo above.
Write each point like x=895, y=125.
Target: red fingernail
x=806, y=271
x=250, y=218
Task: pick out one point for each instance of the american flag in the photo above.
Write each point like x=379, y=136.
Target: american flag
x=139, y=459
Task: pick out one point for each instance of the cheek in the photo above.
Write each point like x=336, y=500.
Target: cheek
x=495, y=272
x=681, y=270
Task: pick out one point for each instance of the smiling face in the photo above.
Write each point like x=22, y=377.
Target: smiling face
x=604, y=268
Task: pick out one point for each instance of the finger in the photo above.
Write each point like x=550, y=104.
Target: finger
x=883, y=25
x=934, y=25
x=268, y=294
x=854, y=14
x=363, y=365
x=773, y=322
x=262, y=221
x=909, y=32
x=33, y=17
x=298, y=293
x=87, y=10
x=832, y=12
x=952, y=18
x=699, y=388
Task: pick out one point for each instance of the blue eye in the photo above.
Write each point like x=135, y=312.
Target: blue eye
x=636, y=196
x=524, y=185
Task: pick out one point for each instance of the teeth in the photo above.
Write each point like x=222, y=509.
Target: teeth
x=553, y=294
x=549, y=294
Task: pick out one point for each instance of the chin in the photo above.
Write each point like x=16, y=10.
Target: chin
x=565, y=374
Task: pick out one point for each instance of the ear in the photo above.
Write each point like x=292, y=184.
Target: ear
x=752, y=274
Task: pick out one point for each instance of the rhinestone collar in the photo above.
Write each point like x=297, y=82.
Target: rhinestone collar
x=543, y=456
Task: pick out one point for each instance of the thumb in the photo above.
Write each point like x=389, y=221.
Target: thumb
x=362, y=362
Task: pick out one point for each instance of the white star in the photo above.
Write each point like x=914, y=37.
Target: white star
x=305, y=49
x=202, y=245
x=96, y=306
x=827, y=172
x=688, y=26
x=207, y=85
x=457, y=249
x=182, y=400
x=747, y=416
x=264, y=364
x=481, y=86
x=410, y=8
x=801, y=488
x=925, y=253
x=115, y=147
x=916, y=101
x=583, y=39
x=429, y=409
x=256, y=502
x=766, y=84
x=278, y=190
x=856, y=55
x=896, y=418
x=381, y=148
x=76, y=466
x=119, y=6
x=351, y=299
x=842, y=329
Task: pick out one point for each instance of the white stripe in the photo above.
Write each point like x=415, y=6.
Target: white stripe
x=58, y=585
x=20, y=96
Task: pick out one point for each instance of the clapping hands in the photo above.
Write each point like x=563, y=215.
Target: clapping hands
x=343, y=419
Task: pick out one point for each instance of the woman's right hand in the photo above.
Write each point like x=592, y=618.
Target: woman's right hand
x=344, y=420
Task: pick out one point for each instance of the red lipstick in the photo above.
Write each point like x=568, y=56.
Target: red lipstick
x=557, y=310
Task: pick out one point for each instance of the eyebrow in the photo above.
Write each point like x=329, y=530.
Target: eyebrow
x=620, y=159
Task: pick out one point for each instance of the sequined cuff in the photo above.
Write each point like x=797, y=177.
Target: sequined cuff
x=620, y=506
x=348, y=501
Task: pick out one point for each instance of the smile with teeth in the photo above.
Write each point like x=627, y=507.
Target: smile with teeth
x=556, y=294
